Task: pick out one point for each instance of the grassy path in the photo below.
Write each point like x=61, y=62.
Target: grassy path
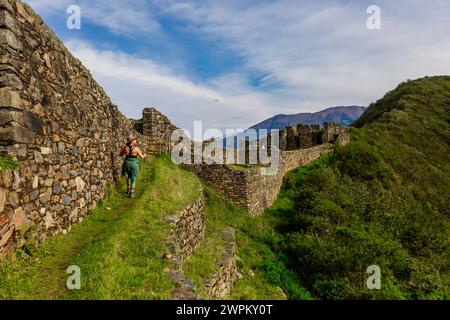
x=117, y=247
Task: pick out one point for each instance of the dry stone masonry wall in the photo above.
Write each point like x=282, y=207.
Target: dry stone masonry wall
x=221, y=282
x=158, y=128
x=187, y=229
x=59, y=124
x=299, y=145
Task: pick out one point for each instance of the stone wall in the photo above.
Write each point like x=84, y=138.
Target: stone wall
x=158, y=128
x=221, y=282
x=256, y=192
x=58, y=123
x=187, y=229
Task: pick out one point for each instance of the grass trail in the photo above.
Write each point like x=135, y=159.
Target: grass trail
x=117, y=247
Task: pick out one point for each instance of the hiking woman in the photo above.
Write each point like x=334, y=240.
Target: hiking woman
x=131, y=164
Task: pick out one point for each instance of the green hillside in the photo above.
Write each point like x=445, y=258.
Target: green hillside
x=381, y=200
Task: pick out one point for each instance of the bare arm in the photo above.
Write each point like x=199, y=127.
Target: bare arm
x=123, y=152
x=140, y=154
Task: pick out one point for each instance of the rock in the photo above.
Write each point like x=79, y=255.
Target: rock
x=13, y=199
x=66, y=200
x=34, y=195
x=56, y=188
x=38, y=157
x=8, y=38
x=46, y=150
x=80, y=184
x=21, y=9
x=2, y=199
x=35, y=182
x=20, y=220
x=47, y=60
x=4, y=4
x=6, y=237
x=61, y=147
x=10, y=98
x=11, y=80
x=4, y=219
x=7, y=21
x=46, y=196
x=73, y=216
x=34, y=215
x=16, y=134
x=48, y=220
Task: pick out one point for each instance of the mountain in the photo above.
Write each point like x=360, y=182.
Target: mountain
x=379, y=203
x=342, y=115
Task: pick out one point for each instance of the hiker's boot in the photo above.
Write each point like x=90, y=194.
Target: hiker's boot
x=132, y=195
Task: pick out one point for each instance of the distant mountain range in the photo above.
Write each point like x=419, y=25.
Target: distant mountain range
x=342, y=115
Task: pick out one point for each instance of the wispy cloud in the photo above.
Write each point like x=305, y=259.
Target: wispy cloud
x=118, y=16
x=135, y=83
x=304, y=55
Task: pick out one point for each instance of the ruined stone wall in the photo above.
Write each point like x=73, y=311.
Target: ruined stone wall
x=221, y=282
x=223, y=179
x=158, y=128
x=250, y=189
x=187, y=229
x=262, y=190
x=58, y=123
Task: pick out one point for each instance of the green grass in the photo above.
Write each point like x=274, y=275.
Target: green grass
x=118, y=250
x=382, y=199
x=251, y=246
x=6, y=163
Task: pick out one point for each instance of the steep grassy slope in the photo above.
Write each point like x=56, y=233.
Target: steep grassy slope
x=382, y=200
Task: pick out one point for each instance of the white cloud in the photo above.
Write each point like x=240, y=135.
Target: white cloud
x=315, y=54
x=321, y=53
x=119, y=16
x=135, y=83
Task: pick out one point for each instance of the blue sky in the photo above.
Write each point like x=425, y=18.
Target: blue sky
x=234, y=63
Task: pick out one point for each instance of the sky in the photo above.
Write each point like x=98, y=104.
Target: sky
x=234, y=63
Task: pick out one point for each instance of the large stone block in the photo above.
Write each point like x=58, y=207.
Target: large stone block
x=5, y=4
x=16, y=134
x=10, y=98
x=8, y=38
x=21, y=221
x=7, y=21
x=10, y=80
